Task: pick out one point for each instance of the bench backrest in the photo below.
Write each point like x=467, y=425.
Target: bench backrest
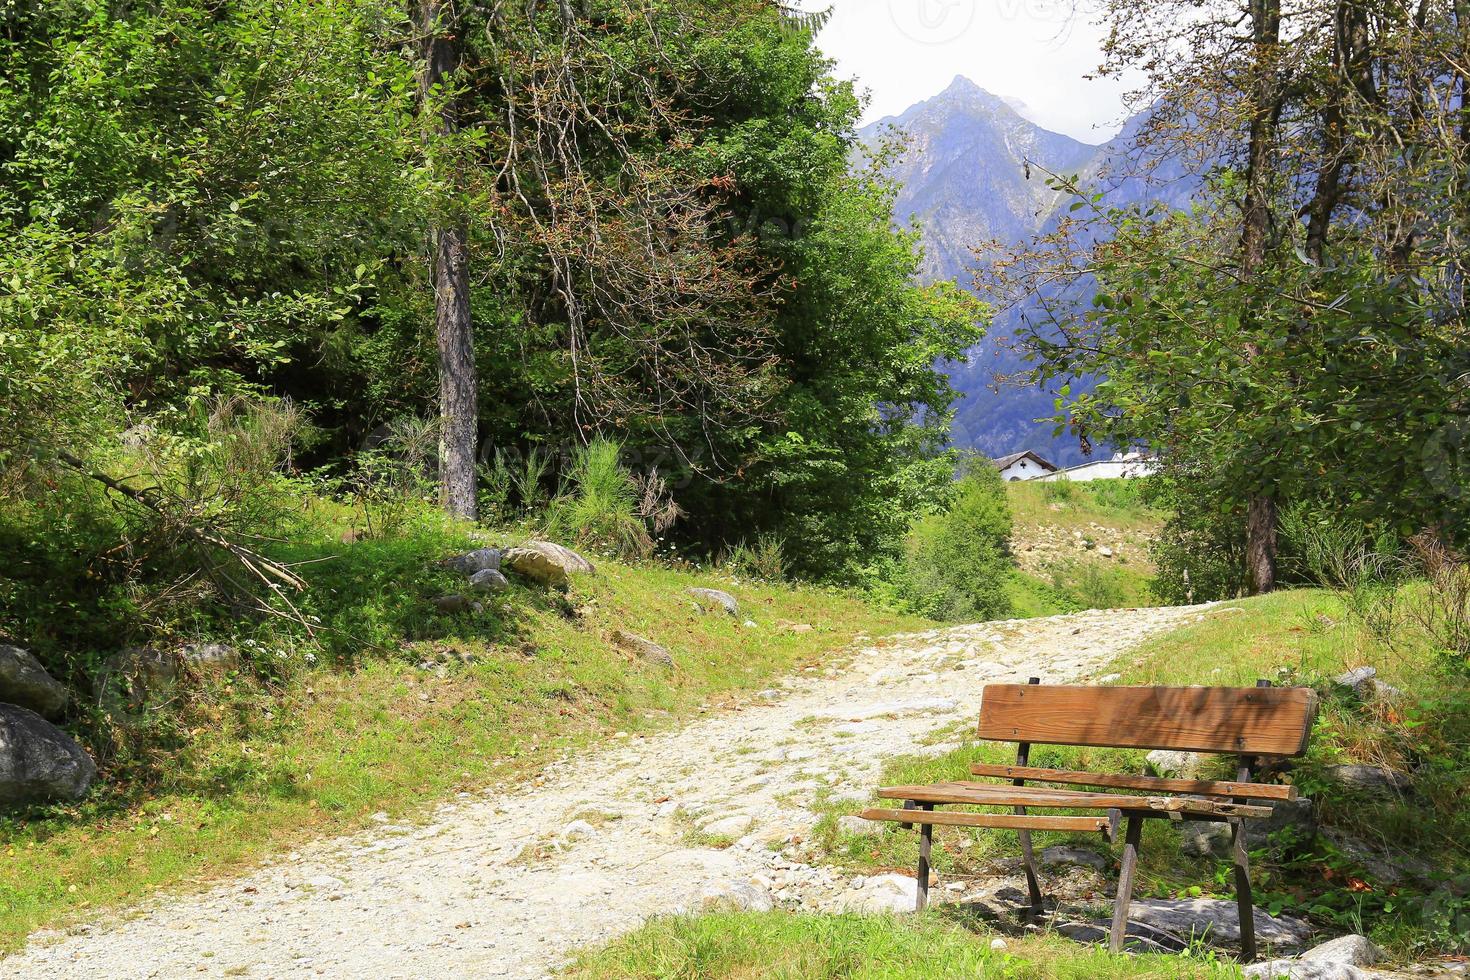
x=1241, y=720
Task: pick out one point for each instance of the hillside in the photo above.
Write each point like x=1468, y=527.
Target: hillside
x=1081, y=545
x=246, y=770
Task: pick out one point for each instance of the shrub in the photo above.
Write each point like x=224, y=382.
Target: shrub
x=765, y=559
x=609, y=507
x=957, y=563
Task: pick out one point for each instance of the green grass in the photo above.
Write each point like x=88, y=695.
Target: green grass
x=782, y=946
x=248, y=770
x=1111, y=503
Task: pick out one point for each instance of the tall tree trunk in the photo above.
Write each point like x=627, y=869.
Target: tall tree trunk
x=1265, y=99
x=1260, y=543
x=458, y=390
x=458, y=393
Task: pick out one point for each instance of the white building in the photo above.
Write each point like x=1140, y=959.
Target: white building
x=1123, y=466
x=1023, y=466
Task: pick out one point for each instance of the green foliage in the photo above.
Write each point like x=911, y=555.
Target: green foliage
x=602, y=508
x=957, y=562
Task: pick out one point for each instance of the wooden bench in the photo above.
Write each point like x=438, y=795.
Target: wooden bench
x=1251, y=723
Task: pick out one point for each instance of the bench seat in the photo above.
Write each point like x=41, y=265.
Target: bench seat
x=989, y=794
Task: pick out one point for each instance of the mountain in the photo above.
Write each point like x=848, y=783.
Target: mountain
x=971, y=175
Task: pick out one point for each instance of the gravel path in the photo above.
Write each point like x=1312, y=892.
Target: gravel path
x=507, y=885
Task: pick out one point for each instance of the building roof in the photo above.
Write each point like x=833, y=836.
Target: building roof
x=1005, y=461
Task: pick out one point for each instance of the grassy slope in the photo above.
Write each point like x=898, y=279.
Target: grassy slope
x=1290, y=637
x=257, y=771
x=1067, y=579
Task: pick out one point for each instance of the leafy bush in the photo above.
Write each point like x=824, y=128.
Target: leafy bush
x=957, y=563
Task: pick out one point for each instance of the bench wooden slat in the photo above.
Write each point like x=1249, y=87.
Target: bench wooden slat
x=988, y=794
x=1006, y=821
x=1199, y=787
x=1241, y=720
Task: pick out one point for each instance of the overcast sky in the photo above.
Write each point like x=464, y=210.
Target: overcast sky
x=1037, y=51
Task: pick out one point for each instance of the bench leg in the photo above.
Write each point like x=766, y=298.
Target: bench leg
x=1243, y=902
x=1028, y=857
x=926, y=844
x=1125, y=883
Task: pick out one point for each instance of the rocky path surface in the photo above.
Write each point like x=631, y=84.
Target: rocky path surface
x=508, y=884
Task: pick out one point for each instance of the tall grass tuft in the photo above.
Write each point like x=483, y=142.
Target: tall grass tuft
x=606, y=505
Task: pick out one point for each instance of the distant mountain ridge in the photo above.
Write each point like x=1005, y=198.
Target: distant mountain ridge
x=972, y=175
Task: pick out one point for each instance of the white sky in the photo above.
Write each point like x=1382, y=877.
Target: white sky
x=1038, y=51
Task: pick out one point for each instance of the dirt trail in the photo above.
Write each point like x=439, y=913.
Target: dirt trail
x=507, y=885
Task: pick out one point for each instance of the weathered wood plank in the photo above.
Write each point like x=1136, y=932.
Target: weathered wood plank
x=988, y=794
x=1241, y=720
x=1199, y=787
x=1004, y=821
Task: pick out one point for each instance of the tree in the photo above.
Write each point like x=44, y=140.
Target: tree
x=1298, y=337
x=437, y=23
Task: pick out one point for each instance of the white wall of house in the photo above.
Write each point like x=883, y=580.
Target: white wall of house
x=1120, y=467
x=1024, y=468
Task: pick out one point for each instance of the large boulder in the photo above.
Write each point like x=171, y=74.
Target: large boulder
x=1216, y=920
x=1353, y=950
x=39, y=762
x=1371, y=780
x=713, y=600
x=547, y=563
x=24, y=681
x=489, y=580
x=479, y=560
x=1173, y=764
x=1292, y=824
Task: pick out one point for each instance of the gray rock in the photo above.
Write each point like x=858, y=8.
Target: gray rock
x=1215, y=920
x=135, y=677
x=885, y=893
x=24, y=681
x=733, y=825
x=739, y=895
x=1354, y=950
x=1061, y=854
x=1200, y=839
x=211, y=657
x=38, y=761
x=712, y=600
x=1357, y=678
x=1374, y=780
x=1294, y=819
x=1298, y=970
x=1177, y=765
x=547, y=563
x=479, y=560
x=1364, y=680
x=644, y=649
x=1137, y=937
x=456, y=604
x=850, y=824
x=489, y=580
x=1384, y=866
